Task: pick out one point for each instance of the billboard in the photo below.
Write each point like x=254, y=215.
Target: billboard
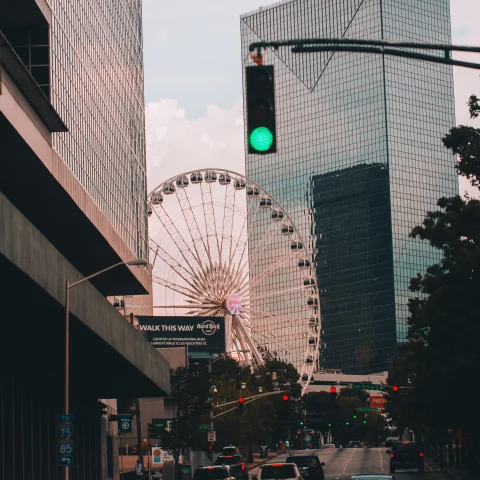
x=377, y=401
x=199, y=334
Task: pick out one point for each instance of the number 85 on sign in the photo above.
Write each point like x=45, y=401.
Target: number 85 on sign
x=65, y=448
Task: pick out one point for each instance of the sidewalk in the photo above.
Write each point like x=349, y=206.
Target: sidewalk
x=454, y=472
x=260, y=461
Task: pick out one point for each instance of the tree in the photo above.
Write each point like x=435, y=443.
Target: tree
x=442, y=356
x=190, y=394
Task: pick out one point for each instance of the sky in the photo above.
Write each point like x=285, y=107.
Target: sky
x=193, y=91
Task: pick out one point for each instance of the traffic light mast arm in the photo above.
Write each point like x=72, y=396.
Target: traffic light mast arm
x=308, y=45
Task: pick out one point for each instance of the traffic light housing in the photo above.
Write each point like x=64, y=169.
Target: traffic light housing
x=395, y=389
x=260, y=99
x=210, y=448
x=241, y=402
x=285, y=397
x=333, y=392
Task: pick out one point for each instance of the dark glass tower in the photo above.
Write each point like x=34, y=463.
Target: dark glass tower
x=360, y=160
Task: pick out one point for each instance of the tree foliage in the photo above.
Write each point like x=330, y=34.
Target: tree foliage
x=443, y=357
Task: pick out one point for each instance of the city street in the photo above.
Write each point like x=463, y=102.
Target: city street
x=342, y=463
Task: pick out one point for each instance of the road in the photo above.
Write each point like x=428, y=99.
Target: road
x=342, y=463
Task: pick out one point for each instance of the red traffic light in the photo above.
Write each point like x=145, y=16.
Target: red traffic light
x=395, y=388
x=333, y=389
x=285, y=397
x=241, y=400
x=210, y=448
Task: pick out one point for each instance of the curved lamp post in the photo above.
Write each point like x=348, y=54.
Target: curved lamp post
x=139, y=262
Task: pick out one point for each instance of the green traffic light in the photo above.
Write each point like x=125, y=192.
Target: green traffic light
x=346, y=423
x=364, y=421
x=329, y=424
x=261, y=139
x=354, y=416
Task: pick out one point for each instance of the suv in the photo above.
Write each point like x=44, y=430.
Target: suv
x=213, y=473
x=236, y=463
x=390, y=441
x=309, y=465
x=406, y=455
x=278, y=471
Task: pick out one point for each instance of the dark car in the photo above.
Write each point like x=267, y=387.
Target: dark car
x=309, y=465
x=354, y=444
x=236, y=463
x=406, y=455
x=220, y=472
x=390, y=441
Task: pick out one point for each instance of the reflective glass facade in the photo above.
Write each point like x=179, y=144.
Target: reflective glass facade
x=97, y=88
x=360, y=161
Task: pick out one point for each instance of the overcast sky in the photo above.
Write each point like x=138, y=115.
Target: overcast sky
x=193, y=82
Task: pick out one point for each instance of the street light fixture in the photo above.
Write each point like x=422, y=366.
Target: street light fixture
x=138, y=262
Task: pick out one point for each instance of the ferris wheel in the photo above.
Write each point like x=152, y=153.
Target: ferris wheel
x=221, y=245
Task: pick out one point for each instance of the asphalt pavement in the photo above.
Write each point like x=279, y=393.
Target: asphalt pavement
x=342, y=463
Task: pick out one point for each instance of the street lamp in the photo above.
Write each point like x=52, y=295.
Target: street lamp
x=138, y=262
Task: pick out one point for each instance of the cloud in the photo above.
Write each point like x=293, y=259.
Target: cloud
x=162, y=37
x=176, y=144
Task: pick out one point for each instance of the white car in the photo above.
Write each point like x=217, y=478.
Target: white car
x=279, y=471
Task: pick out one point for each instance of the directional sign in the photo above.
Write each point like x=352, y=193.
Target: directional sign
x=66, y=447
x=125, y=423
x=65, y=460
x=366, y=409
x=204, y=427
x=365, y=386
x=65, y=418
x=65, y=431
x=212, y=436
x=163, y=423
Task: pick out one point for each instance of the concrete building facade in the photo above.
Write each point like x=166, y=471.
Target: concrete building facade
x=54, y=228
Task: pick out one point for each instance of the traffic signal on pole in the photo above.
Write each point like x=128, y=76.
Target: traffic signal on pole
x=333, y=392
x=241, y=402
x=260, y=99
x=210, y=448
x=395, y=389
x=354, y=416
x=285, y=397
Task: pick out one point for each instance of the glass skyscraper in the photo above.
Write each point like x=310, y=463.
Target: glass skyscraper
x=359, y=162
x=97, y=89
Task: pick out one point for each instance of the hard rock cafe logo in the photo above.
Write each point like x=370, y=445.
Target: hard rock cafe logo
x=234, y=304
x=208, y=327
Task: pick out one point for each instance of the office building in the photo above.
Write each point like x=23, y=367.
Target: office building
x=72, y=203
x=359, y=162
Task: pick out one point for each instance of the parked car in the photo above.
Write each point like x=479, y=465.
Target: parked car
x=406, y=455
x=354, y=444
x=308, y=464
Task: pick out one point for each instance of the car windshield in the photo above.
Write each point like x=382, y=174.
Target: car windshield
x=304, y=461
x=274, y=472
x=211, y=474
x=229, y=450
x=228, y=460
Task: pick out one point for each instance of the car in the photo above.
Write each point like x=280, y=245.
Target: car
x=216, y=472
x=390, y=441
x=373, y=476
x=407, y=455
x=278, y=471
x=230, y=450
x=329, y=445
x=308, y=464
x=236, y=463
x=354, y=444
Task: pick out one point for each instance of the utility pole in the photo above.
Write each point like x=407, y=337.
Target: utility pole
x=210, y=400
x=139, y=430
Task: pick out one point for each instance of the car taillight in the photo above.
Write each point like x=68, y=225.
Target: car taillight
x=421, y=454
x=391, y=455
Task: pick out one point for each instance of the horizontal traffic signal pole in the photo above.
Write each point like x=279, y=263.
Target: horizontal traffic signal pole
x=384, y=47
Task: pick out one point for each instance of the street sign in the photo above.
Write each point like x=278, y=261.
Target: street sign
x=125, y=423
x=65, y=432
x=65, y=447
x=65, y=460
x=204, y=427
x=212, y=436
x=163, y=423
x=365, y=386
x=65, y=418
x=366, y=409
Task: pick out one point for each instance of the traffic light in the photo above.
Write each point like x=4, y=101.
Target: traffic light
x=329, y=424
x=285, y=397
x=241, y=402
x=354, y=416
x=210, y=448
x=395, y=389
x=260, y=97
x=333, y=392
x=347, y=423
x=301, y=422
x=364, y=422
